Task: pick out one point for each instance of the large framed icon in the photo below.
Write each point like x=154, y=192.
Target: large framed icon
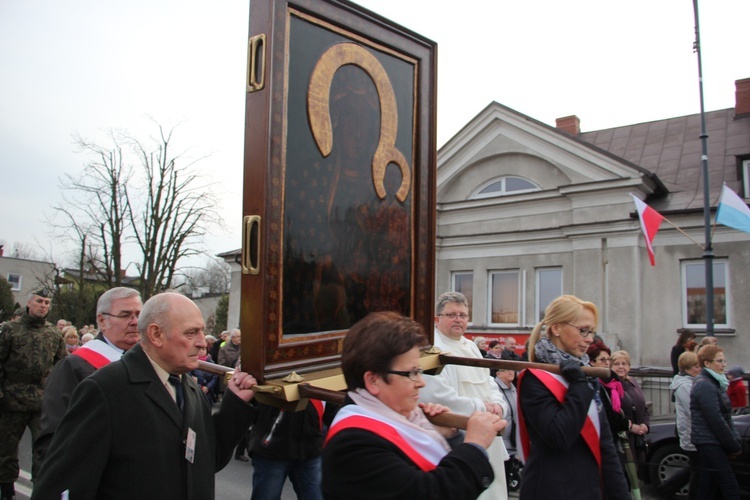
x=339, y=180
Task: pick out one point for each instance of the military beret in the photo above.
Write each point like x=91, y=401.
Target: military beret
x=43, y=292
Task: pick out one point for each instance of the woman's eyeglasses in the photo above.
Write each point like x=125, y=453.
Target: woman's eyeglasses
x=413, y=374
x=585, y=332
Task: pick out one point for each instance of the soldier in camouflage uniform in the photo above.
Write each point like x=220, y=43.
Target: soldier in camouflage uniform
x=29, y=347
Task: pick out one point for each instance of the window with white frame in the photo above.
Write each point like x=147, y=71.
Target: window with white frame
x=15, y=281
x=548, y=288
x=694, y=293
x=464, y=282
x=505, y=297
x=505, y=186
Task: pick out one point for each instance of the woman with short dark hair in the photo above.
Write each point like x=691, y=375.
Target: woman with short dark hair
x=611, y=393
x=381, y=445
x=679, y=347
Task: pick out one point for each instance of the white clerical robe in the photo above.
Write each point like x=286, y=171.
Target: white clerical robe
x=464, y=389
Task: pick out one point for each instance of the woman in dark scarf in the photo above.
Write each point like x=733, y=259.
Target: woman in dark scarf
x=567, y=449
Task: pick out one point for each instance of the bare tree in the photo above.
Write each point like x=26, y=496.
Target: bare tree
x=134, y=192
x=95, y=206
x=213, y=277
x=171, y=218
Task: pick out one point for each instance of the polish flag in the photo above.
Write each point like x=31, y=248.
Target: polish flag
x=650, y=220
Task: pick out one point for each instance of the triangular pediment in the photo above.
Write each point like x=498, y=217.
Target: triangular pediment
x=500, y=142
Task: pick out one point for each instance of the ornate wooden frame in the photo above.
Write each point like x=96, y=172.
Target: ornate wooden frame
x=327, y=235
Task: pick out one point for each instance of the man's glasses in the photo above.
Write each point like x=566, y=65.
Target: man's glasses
x=585, y=332
x=124, y=315
x=413, y=374
x=455, y=315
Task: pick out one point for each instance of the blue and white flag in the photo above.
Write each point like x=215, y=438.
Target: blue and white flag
x=732, y=211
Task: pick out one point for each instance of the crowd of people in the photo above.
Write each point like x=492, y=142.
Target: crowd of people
x=131, y=393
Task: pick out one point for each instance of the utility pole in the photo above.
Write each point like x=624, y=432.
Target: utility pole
x=708, y=253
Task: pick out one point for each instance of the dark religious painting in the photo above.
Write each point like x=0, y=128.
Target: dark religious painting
x=339, y=196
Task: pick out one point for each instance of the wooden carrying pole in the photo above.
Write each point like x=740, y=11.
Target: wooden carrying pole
x=505, y=364
x=443, y=419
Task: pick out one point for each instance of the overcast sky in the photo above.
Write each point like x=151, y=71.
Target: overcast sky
x=82, y=66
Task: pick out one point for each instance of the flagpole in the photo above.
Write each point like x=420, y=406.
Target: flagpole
x=683, y=232
x=708, y=253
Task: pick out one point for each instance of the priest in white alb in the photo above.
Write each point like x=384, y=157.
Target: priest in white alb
x=466, y=389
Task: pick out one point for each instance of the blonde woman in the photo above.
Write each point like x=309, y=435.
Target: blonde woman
x=70, y=336
x=566, y=446
x=634, y=407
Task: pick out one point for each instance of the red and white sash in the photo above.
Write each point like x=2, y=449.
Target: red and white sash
x=421, y=448
x=558, y=386
x=97, y=353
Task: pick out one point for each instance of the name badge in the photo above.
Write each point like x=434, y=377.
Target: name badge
x=190, y=446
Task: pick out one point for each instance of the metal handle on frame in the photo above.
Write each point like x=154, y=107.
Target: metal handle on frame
x=251, y=244
x=256, y=62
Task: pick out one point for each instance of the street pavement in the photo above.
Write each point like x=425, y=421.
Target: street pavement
x=234, y=482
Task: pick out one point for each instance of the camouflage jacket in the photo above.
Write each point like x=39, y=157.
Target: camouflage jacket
x=29, y=348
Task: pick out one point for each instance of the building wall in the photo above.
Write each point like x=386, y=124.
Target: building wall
x=33, y=274
x=233, y=315
x=581, y=220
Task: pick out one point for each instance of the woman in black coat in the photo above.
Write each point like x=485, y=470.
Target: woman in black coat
x=380, y=445
x=713, y=432
x=559, y=415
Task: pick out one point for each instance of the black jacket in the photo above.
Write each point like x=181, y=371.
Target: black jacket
x=289, y=435
x=560, y=460
x=65, y=377
x=711, y=414
x=358, y=464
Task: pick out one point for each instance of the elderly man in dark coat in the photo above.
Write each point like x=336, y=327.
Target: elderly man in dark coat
x=117, y=313
x=140, y=427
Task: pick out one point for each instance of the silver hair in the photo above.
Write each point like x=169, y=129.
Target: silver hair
x=104, y=305
x=450, y=298
x=235, y=333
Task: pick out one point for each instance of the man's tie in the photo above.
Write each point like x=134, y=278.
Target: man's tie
x=177, y=383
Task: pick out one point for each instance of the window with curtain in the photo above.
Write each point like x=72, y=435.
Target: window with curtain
x=504, y=300
x=548, y=288
x=464, y=282
x=694, y=293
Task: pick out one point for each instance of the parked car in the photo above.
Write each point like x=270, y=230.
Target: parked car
x=668, y=463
